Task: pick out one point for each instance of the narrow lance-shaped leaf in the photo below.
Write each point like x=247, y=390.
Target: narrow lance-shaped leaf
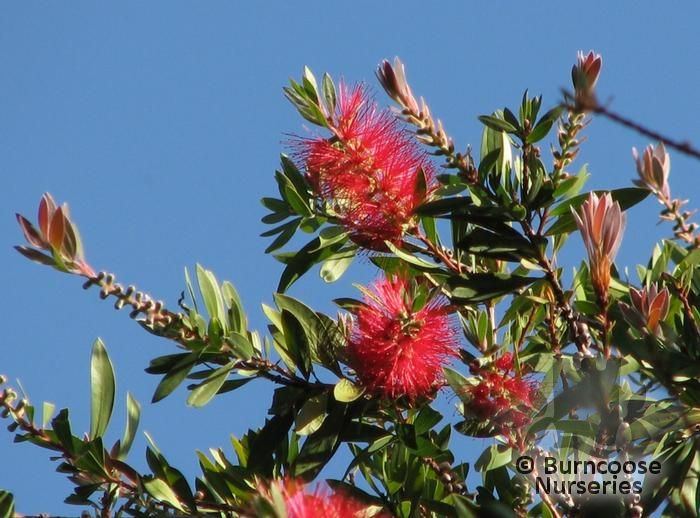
x=102, y=389
x=205, y=391
x=211, y=293
x=133, y=415
x=7, y=504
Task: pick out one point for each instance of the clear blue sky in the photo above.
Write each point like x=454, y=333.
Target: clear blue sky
x=161, y=124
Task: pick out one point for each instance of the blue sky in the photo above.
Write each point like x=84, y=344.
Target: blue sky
x=161, y=124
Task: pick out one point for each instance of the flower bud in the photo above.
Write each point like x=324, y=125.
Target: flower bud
x=653, y=168
x=649, y=306
x=585, y=73
x=601, y=222
x=393, y=79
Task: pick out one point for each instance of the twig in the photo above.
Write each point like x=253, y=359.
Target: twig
x=592, y=105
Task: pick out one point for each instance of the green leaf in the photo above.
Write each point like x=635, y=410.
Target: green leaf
x=48, y=409
x=161, y=491
x=240, y=345
x=274, y=204
x=230, y=385
x=480, y=287
x=311, y=415
x=572, y=186
x=307, y=107
x=335, y=266
x=175, y=376
x=456, y=380
x=133, y=415
x=308, y=319
x=626, y=197
x=543, y=126
x=205, y=391
x=444, y=206
x=292, y=173
x=419, y=263
x=493, y=457
x=236, y=315
x=102, y=388
x=346, y=391
x=61, y=427
x=497, y=124
x=426, y=419
x=211, y=294
x=286, y=232
x=329, y=92
x=511, y=247
x=296, y=342
x=7, y=504
x=331, y=235
x=320, y=446
x=302, y=261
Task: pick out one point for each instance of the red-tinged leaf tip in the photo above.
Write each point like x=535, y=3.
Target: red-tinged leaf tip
x=57, y=229
x=47, y=206
x=31, y=234
x=35, y=255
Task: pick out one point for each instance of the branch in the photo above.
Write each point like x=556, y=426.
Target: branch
x=590, y=104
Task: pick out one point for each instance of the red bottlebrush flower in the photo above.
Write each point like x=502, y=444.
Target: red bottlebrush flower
x=649, y=307
x=601, y=222
x=369, y=172
x=503, y=401
x=505, y=362
x=319, y=503
x=653, y=168
x=397, y=350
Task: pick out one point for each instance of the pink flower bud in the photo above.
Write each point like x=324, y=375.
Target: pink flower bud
x=653, y=168
x=602, y=223
x=585, y=73
x=649, y=307
x=393, y=79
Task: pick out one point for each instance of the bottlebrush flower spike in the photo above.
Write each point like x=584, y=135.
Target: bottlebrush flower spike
x=649, y=307
x=371, y=173
x=585, y=73
x=397, y=349
x=653, y=168
x=602, y=223
x=57, y=235
x=320, y=503
x=502, y=400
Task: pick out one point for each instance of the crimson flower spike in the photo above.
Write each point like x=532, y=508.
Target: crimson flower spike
x=398, y=348
x=602, y=223
x=372, y=174
x=653, y=168
x=649, y=307
x=300, y=503
x=56, y=234
x=503, y=401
